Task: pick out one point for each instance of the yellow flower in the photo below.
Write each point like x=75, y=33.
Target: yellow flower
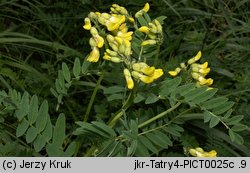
x=98, y=39
x=94, y=55
x=175, y=72
x=114, y=22
x=157, y=73
x=144, y=68
x=146, y=7
x=199, y=152
x=131, y=19
x=144, y=29
x=129, y=80
x=144, y=10
x=118, y=9
x=148, y=42
x=87, y=24
x=194, y=59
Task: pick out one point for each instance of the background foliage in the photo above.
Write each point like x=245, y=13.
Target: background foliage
x=46, y=86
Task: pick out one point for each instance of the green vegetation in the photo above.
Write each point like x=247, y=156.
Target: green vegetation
x=53, y=102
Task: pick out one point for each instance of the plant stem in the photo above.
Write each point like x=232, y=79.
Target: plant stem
x=159, y=115
x=157, y=55
x=125, y=106
x=86, y=116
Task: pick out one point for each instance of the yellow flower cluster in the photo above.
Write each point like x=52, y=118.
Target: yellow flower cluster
x=198, y=71
x=153, y=32
x=115, y=32
x=144, y=10
x=199, y=152
x=142, y=72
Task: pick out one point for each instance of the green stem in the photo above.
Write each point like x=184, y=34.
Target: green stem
x=157, y=55
x=159, y=115
x=125, y=106
x=86, y=116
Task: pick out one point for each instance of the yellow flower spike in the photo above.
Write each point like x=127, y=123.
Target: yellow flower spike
x=204, y=71
x=131, y=19
x=148, y=42
x=92, y=42
x=199, y=149
x=114, y=22
x=146, y=79
x=112, y=53
x=192, y=152
x=106, y=57
x=146, y=7
x=148, y=71
x=129, y=80
x=119, y=40
x=183, y=65
x=153, y=28
x=122, y=48
x=94, y=55
x=93, y=31
x=123, y=28
x=175, y=72
x=204, y=65
x=157, y=73
x=158, y=26
x=202, y=80
x=144, y=29
x=87, y=23
x=209, y=81
x=195, y=75
x=126, y=35
x=212, y=153
x=99, y=41
x=194, y=59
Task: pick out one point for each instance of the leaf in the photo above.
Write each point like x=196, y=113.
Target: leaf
x=139, y=97
x=23, y=108
x=39, y=143
x=71, y=149
x=204, y=96
x=113, y=89
x=85, y=66
x=53, y=150
x=161, y=19
x=214, y=121
x=142, y=21
x=115, y=97
x=33, y=110
x=184, y=89
x=77, y=68
x=235, y=137
x=207, y=116
x=197, y=92
x=152, y=98
x=141, y=150
x=22, y=127
x=157, y=139
x=210, y=104
x=168, y=86
x=31, y=134
x=234, y=120
x=148, y=144
x=59, y=131
x=42, y=116
x=66, y=72
x=223, y=108
x=132, y=148
x=239, y=127
x=104, y=128
x=47, y=133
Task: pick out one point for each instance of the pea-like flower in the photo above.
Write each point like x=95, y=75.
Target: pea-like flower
x=87, y=24
x=199, y=152
x=144, y=10
x=94, y=55
x=129, y=80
